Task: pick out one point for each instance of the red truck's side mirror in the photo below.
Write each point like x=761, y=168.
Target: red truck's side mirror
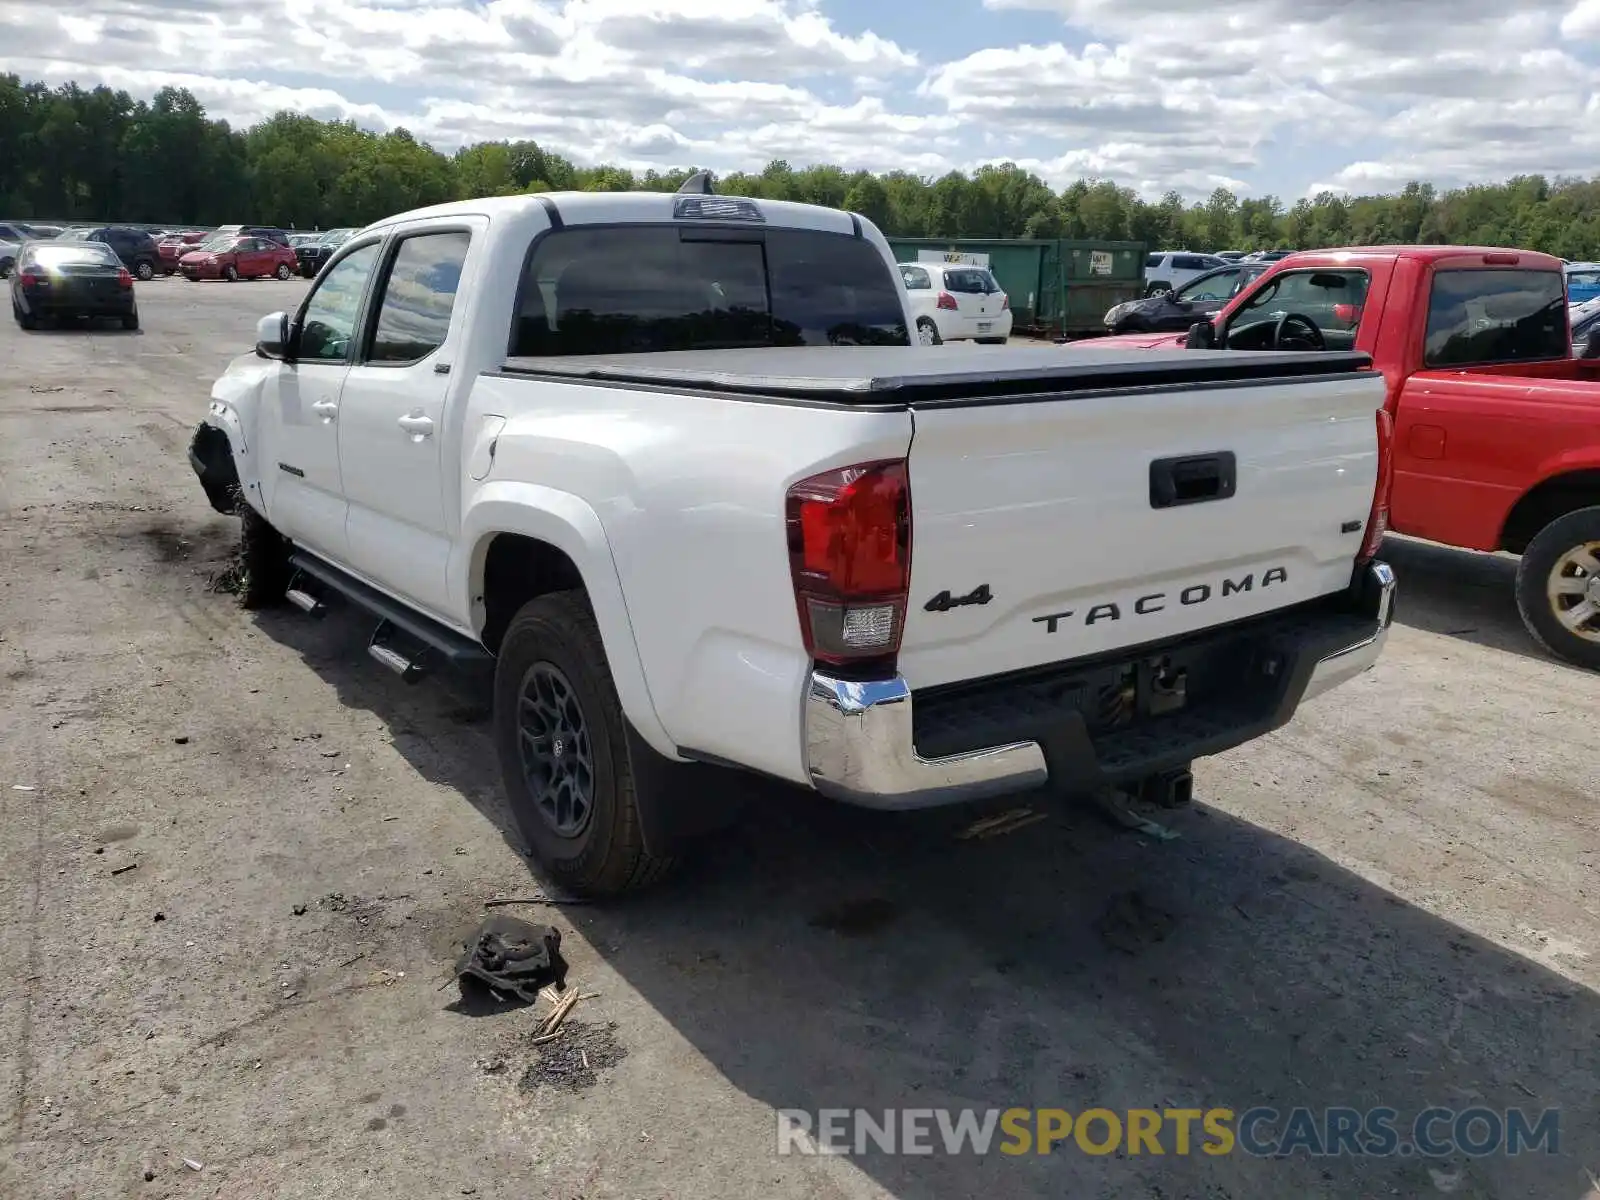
x=1202, y=336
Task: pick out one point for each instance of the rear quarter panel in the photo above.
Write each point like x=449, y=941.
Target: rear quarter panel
x=689, y=493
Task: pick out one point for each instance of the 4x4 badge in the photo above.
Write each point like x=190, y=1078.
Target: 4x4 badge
x=944, y=601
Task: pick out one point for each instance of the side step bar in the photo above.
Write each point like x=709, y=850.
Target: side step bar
x=405, y=641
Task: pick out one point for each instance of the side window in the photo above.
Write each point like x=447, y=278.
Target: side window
x=1333, y=299
x=418, y=297
x=916, y=278
x=1153, y=261
x=1220, y=286
x=1496, y=316
x=328, y=320
x=1189, y=262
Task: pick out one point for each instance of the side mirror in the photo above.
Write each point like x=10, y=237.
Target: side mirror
x=272, y=335
x=1202, y=336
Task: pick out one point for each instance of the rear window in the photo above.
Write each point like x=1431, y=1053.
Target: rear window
x=968, y=280
x=59, y=256
x=1477, y=317
x=635, y=290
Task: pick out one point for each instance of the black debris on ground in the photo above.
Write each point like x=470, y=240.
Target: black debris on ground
x=574, y=1060
x=511, y=957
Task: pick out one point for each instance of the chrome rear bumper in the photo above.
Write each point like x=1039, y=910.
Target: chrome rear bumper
x=860, y=746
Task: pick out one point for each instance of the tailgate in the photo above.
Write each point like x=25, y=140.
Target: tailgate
x=1037, y=535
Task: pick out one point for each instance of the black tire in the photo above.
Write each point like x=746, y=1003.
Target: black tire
x=606, y=856
x=24, y=320
x=926, y=328
x=144, y=270
x=1156, y=288
x=1562, y=537
x=131, y=321
x=230, y=273
x=5, y=267
x=263, y=560
x=283, y=272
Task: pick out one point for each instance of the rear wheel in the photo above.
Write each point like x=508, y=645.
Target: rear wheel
x=283, y=271
x=563, y=749
x=131, y=321
x=25, y=320
x=928, y=332
x=231, y=273
x=145, y=271
x=1158, y=288
x=1558, y=587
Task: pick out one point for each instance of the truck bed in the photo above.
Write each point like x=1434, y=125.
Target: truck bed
x=899, y=376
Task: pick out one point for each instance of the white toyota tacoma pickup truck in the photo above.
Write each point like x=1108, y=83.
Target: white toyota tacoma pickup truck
x=670, y=467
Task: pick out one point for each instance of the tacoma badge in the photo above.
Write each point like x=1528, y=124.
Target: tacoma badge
x=944, y=601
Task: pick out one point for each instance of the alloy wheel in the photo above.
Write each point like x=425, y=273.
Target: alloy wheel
x=553, y=744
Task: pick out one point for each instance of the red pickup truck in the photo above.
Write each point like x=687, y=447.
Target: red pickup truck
x=1495, y=425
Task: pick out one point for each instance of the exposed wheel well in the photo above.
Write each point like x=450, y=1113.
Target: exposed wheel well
x=1553, y=498
x=221, y=477
x=516, y=569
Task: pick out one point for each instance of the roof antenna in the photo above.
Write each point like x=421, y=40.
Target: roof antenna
x=698, y=184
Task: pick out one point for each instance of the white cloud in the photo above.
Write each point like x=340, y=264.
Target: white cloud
x=1253, y=95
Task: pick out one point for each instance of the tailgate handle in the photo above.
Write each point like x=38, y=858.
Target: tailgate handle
x=1193, y=479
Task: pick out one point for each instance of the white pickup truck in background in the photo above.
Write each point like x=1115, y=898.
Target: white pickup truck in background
x=670, y=466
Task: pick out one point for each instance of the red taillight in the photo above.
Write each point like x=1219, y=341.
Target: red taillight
x=946, y=300
x=1005, y=303
x=124, y=279
x=1378, y=519
x=850, y=560
x=31, y=279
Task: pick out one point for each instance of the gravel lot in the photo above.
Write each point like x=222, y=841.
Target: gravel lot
x=1392, y=901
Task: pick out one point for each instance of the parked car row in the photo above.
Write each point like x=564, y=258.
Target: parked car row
x=147, y=253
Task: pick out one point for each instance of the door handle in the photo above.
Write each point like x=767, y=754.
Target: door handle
x=417, y=425
x=1193, y=480
x=326, y=409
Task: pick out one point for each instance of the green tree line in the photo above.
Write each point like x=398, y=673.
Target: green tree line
x=68, y=153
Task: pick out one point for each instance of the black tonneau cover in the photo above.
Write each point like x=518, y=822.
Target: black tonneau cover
x=897, y=375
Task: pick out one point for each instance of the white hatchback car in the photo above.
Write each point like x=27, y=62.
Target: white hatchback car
x=951, y=302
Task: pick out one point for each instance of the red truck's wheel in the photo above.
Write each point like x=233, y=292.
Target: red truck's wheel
x=562, y=743
x=1558, y=587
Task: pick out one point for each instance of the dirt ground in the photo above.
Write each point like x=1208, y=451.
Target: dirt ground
x=238, y=858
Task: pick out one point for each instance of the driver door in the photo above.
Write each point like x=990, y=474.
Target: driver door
x=303, y=490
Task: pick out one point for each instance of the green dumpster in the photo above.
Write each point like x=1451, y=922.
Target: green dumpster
x=1056, y=287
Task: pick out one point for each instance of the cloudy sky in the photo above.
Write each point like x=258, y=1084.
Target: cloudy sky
x=1282, y=96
